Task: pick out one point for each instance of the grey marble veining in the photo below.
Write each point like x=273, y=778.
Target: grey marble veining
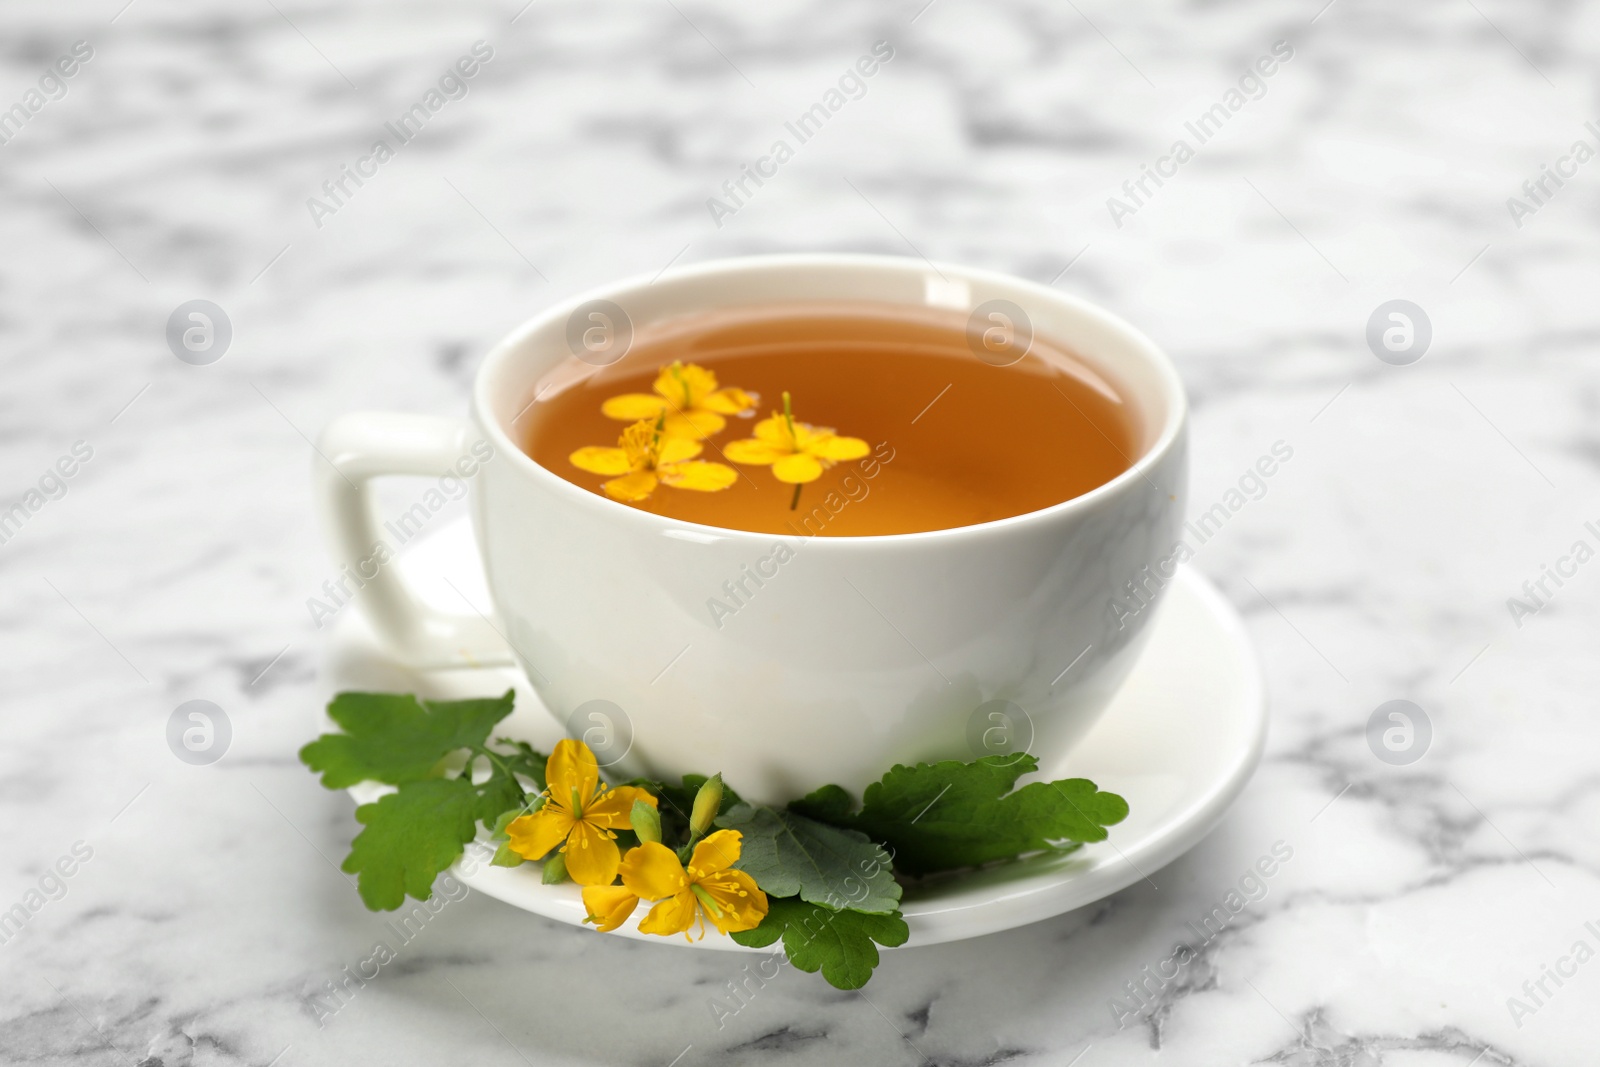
x=1376, y=164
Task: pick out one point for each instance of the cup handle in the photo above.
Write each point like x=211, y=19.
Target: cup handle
x=365, y=445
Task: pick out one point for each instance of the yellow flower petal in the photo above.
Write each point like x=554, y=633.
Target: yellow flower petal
x=805, y=433
x=677, y=449
x=702, y=475
x=753, y=452
x=592, y=857
x=728, y=401
x=742, y=903
x=609, y=906
x=652, y=871
x=775, y=431
x=632, y=407
x=694, y=424
x=672, y=916
x=571, y=766
x=631, y=487
x=716, y=853
x=796, y=469
x=614, y=809
x=835, y=448
x=597, y=460
x=685, y=384
x=533, y=836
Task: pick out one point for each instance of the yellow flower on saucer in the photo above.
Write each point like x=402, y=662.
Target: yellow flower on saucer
x=797, y=452
x=707, y=890
x=580, y=814
x=610, y=905
x=688, y=396
x=647, y=457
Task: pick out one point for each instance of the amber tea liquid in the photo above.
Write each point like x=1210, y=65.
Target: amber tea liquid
x=953, y=440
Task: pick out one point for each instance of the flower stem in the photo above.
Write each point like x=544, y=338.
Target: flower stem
x=655, y=441
x=794, y=441
x=677, y=376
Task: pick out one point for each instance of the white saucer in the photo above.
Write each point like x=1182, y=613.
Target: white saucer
x=1178, y=742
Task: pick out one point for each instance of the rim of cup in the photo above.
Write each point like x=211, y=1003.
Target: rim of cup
x=1171, y=403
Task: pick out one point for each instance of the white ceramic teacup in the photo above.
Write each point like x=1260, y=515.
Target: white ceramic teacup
x=847, y=656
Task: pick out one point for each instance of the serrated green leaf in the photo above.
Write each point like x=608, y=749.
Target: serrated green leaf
x=524, y=760
x=943, y=816
x=791, y=855
x=497, y=795
x=410, y=837
x=838, y=943
x=394, y=738
x=828, y=804
x=415, y=833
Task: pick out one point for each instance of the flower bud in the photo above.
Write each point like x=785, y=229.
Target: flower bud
x=504, y=857
x=506, y=819
x=646, y=821
x=555, y=869
x=706, y=804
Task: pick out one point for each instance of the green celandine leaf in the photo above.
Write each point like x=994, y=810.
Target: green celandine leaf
x=394, y=738
x=790, y=855
x=830, y=804
x=415, y=833
x=944, y=816
x=838, y=943
x=499, y=794
x=410, y=837
x=524, y=761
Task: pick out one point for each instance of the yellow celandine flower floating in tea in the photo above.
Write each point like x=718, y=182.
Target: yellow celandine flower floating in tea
x=689, y=398
x=647, y=457
x=580, y=814
x=708, y=890
x=797, y=452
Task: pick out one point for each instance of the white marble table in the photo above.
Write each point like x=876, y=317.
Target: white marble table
x=176, y=561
